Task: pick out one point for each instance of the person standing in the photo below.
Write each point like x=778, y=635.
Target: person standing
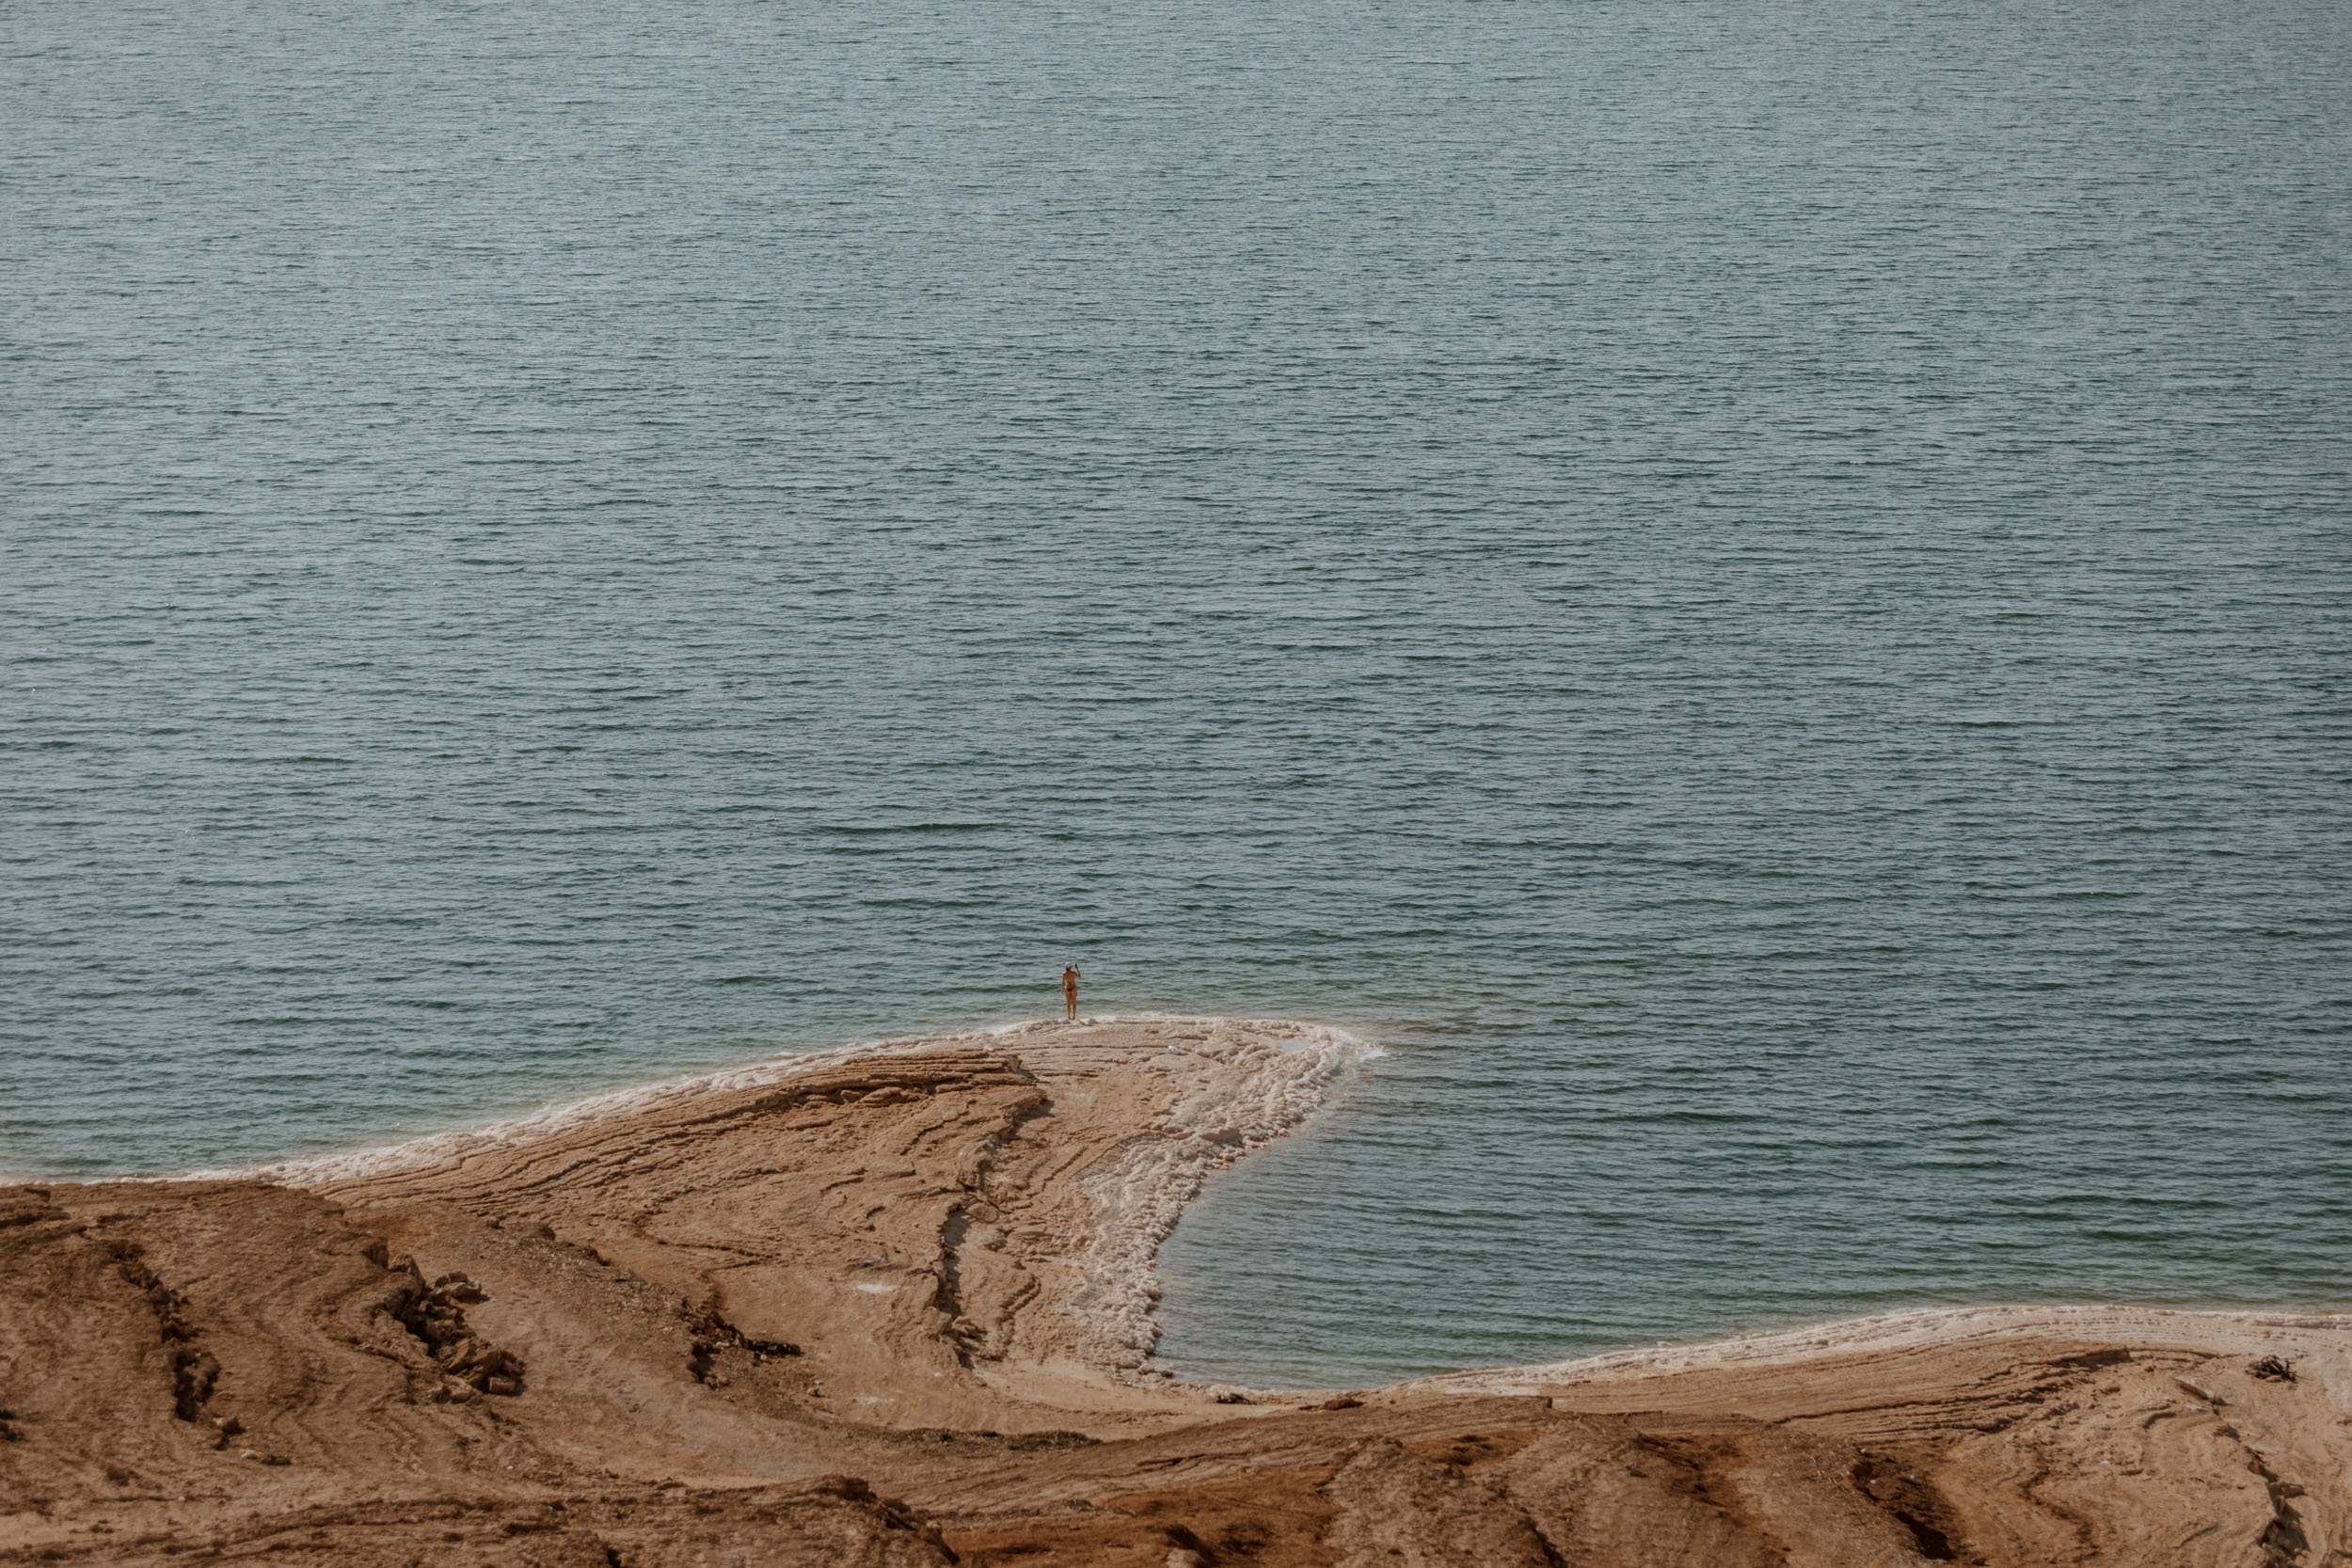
x=1070, y=990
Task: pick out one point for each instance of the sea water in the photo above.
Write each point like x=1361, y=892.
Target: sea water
x=1757, y=591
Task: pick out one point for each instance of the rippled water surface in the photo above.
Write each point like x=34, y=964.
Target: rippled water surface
x=1759, y=590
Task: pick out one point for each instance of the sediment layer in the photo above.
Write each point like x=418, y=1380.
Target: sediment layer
x=892, y=1307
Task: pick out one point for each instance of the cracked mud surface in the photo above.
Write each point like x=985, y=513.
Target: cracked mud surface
x=891, y=1309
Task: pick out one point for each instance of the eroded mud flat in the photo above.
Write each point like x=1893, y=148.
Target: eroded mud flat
x=893, y=1307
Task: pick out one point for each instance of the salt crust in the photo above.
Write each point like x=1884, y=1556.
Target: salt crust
x=1273, y=1075
x=1941, y=1327
x=1296, y=1080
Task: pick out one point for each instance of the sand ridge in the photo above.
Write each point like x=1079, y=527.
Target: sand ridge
x=892, y=1305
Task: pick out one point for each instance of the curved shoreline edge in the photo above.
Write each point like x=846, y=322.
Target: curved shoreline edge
x=1880, y=1333
x=1140, y=1192
x=434, y=1148
x=1128, y=1269
x=663, y=1326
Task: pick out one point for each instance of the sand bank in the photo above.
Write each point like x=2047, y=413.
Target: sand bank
x=893, y=1307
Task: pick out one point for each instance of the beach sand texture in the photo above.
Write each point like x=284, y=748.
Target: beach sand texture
x=892, y=1306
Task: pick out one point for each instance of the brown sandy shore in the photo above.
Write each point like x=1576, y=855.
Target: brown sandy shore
x=892, y=1307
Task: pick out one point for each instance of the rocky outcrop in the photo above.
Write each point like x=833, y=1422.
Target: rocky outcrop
x=435, y=1315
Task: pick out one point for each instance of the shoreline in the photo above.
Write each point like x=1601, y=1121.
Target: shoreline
x=664, y=1323
x=1827, y=1335
x=1831, y=1336
x=1878, y=1332
x=363, y=1157
x=1822, y=1335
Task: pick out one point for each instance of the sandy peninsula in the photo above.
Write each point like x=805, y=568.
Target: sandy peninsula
x=893, y=1307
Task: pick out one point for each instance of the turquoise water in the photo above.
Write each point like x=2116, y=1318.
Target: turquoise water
x=1760, y=591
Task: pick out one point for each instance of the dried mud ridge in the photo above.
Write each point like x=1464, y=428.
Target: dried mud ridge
x=893, y=1309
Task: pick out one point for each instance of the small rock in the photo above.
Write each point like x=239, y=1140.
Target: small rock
x=2270, y=1368
x=1341, y=1401
x=228, y=1425
x=1229, y=1397
x=504, y=1386
x=2198, y=1390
